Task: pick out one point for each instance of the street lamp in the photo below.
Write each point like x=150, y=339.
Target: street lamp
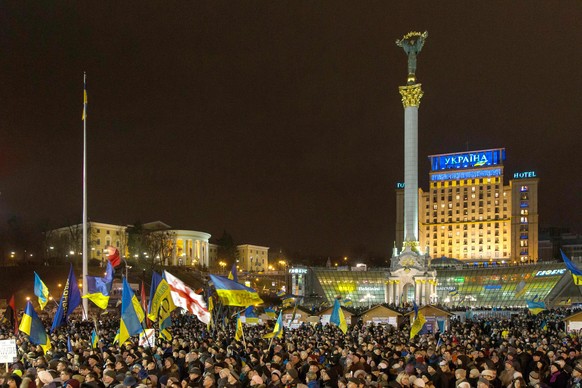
x=222, y=264
x=285, y=266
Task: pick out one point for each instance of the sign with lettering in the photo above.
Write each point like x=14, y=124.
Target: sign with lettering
x=8, y=352
x=551, y=272
x=525, y=175
x=298, y=270
x=458, y=175
x=465, y=160
x=446, y=288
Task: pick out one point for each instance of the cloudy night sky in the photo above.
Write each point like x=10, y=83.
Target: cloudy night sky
x=278, y=121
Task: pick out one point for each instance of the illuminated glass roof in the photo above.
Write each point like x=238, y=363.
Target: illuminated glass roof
x=498, y=286
x=364, y=288
x=492, y=286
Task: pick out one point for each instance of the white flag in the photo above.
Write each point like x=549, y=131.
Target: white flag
x=184, y=297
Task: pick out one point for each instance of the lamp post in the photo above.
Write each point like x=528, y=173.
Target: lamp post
x=283, y=263
x=222, y=264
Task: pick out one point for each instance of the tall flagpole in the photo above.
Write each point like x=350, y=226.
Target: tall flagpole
x=85, y=300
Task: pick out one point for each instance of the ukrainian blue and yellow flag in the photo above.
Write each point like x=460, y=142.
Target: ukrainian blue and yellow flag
x=348, y=302
x=535, y=306
x=32, y=325
x=271, y=313
x=98, y=288
x=70, y=300
x=419, y=322
x=250, y=316
x=278, y=329
x=232, y=293
x=94, y=339
x=338, y=318
x=40, y=290
x=576, y=273
x=287, y=301
x=232, y=275
x=281, y=293
x=132, y=314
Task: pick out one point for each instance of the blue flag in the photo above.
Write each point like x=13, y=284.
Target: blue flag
x=70, y=299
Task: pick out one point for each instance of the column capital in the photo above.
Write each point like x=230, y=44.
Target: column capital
x=411, y=95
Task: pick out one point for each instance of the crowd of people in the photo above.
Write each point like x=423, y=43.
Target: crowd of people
x=524, y=351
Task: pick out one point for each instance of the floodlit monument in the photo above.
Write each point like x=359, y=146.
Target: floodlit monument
x=410, y=276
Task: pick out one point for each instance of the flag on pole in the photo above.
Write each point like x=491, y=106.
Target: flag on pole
x=40, y=290
x=250, y=316
x=338, y=318
x=287, y=301
x=232, y=293
x=535, y=306
x=98, y=288
x=144, y=303
x=94, y=339
x=70, y=300
x=184, y=297
x=238, y=335
x=576, y=273
x=32, y=325
x=232, y=275
x=278, y=329
x=419, y=321
x=10, y=315
x=161, y=305
x=132, y=314
x=113, y=256
x=84, y=98
x=271, y=313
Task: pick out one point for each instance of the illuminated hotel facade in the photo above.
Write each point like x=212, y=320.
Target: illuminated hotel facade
x=469, y=214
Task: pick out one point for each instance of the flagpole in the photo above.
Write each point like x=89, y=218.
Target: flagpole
x=85, y=300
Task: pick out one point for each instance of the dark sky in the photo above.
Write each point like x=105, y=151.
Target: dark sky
x=278, y=121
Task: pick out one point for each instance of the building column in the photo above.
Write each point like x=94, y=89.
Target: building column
x=411, y=95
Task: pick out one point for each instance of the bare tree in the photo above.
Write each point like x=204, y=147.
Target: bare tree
x=160, y=246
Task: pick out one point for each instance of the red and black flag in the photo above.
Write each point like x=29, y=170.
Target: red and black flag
x=11, y=316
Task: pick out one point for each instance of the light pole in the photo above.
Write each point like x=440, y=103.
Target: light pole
x=283, y=263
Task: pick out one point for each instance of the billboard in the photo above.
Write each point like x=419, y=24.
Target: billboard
x=467, y=160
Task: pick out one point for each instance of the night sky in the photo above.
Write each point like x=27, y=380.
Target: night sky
x=279, y=122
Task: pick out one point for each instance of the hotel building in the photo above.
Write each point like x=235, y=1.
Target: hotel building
x=469, y=214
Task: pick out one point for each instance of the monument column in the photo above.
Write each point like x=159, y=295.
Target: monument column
x=411, y=93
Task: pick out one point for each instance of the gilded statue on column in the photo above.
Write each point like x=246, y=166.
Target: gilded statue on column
x=412, y=44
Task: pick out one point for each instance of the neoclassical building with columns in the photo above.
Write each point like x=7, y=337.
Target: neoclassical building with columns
x=186, y=247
